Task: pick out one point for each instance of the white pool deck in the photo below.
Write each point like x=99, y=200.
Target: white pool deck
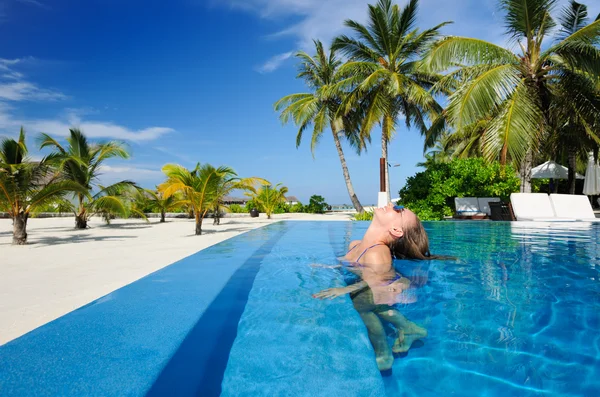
x=62, y=269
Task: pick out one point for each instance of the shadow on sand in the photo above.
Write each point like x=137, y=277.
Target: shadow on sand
x=44, y=241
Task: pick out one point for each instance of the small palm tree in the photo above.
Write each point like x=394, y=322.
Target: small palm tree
x=515, y=91
x=26, y=186
x=385, y=71
x=268, y=197
x=81, y=162
x=156, y=201
x=198, y=188
x=225, y=184
x=321, y=108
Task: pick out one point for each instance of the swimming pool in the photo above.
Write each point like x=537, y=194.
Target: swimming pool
x=517, y=314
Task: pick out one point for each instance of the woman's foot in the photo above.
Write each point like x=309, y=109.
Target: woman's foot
x=385, y=362
x=409, y=335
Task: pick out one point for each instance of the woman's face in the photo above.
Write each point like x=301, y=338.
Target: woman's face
x=389, y=218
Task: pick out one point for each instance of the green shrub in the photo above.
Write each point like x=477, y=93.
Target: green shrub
x=430, y=194
x=297, y=208
x=251, y=204
x=237, y=209
x=316, y=205
x=281, y=208
x=364, y=216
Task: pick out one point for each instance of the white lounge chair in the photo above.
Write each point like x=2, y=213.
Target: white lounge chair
x=468, y=207
x=535, y=207
x=573, y=206
x=484, y=204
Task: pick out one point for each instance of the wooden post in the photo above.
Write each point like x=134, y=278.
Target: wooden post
x=382, y=174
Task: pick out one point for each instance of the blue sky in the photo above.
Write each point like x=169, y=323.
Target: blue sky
x=195, y=80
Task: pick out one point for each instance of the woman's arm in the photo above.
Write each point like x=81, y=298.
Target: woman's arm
x=332, y=293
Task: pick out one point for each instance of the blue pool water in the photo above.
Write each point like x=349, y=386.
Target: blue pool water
x=518, y=313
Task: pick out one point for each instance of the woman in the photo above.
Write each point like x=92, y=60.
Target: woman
x=395, y=232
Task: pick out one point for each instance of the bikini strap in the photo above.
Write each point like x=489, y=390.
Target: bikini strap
x=356, y=245
x=365, y=251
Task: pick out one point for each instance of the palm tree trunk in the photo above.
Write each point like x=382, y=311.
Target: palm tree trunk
x=385, y=133
x=162, y=216
x=572, y=167
x=20, y=229
x=80, y=217
x=526, y=166
x=198, y=224
x=355, y=202
x=81, y=221
x=216, y=218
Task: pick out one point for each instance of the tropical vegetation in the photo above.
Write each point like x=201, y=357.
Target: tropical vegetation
x=385, y=77
x=81, y=163
x=27, y=185
x=268, y=197
x=511, y=106
x=430, y=194
x=321, y=108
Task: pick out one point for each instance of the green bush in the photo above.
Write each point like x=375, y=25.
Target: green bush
x=297, y=208
x=251, y=205
x=281, y=208
x=364, y=216
x=237, y=209
x=430, y=194
x=316, y=205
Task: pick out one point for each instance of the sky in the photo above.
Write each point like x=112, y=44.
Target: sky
x=187, y=81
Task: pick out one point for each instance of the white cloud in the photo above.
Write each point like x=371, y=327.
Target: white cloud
x=17, y=89
x=93, y=129
x=25, y=91
x=274, y=63
x=131, y=172
x=324, y=19
x=14, y=86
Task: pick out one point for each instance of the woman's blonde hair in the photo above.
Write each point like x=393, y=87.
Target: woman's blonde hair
x=414, y=244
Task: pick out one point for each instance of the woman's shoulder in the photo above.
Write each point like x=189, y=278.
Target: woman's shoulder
x=379, y=254
x=354, y=243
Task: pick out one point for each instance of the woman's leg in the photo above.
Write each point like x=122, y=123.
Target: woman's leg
x=383, y=353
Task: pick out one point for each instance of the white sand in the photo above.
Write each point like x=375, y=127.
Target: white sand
x=62, y=269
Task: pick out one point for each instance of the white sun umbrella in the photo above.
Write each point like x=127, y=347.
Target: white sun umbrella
x=591, y=185
x=551, y=170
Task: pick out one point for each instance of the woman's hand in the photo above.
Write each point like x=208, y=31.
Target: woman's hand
x=331, y=293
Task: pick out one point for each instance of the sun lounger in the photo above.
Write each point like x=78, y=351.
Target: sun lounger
x=573, y=206
x=484, y=204
x=468, y=208
x=535, y=207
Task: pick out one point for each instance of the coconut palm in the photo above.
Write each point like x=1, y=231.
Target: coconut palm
x=515, y=90
x=198, y=188
x=226, y=183
x=81, y=162
x=385, y=73
x=320, y=108
x=156, y=201
x=268, y=197
x=26, y=185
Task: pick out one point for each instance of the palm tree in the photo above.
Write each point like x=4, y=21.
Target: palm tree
x=385, y=73
x=81, y=162
x=197, y=188
x=226, y=183
x=26, y=186
x=321, y=107
x=156, y=201
x=515, y=90
x=268, y=197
